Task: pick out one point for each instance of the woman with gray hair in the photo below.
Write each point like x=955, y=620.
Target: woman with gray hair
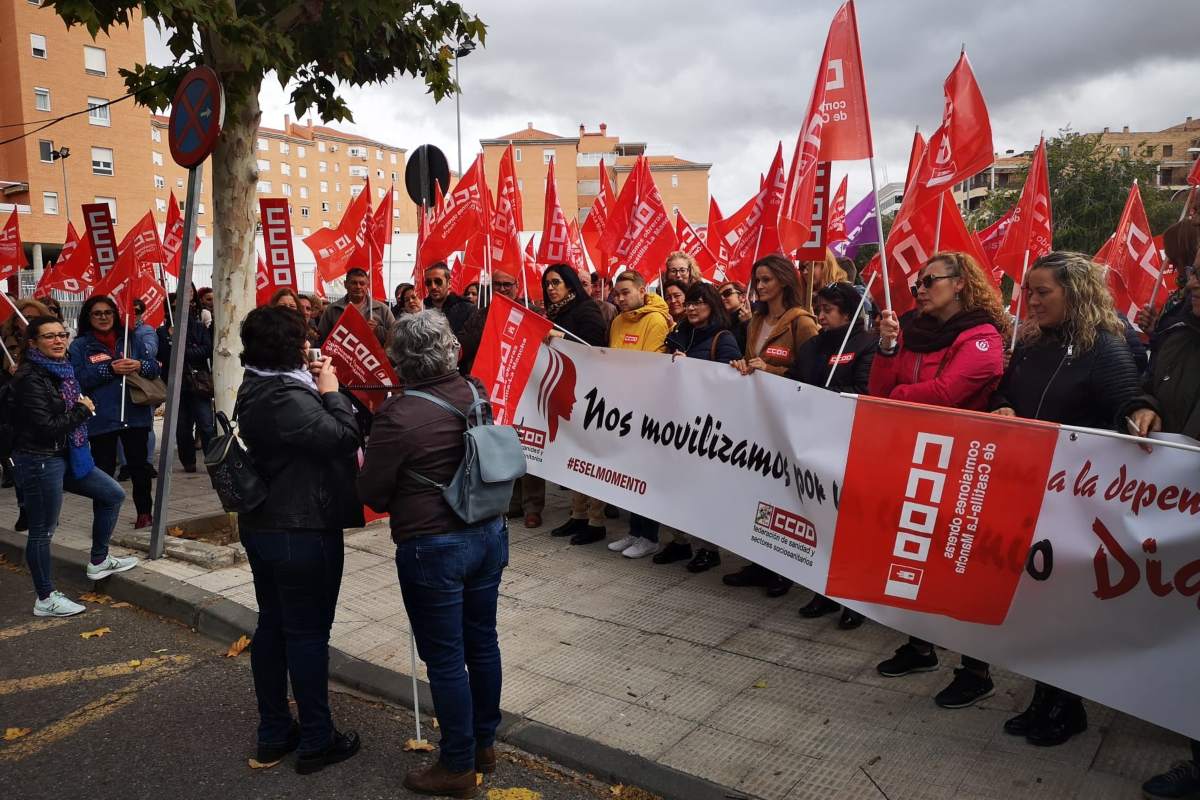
x=449, y=571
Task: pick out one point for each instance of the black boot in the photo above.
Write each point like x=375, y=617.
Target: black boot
x=777, y=585
x=1031, y=717
x=674, y=551
x=22, y=522
x=1064, y=718
x=570, y=527
x=819, y=606
x=749, y=575
x=704, y=560
x=589, y=534
x=850, y=620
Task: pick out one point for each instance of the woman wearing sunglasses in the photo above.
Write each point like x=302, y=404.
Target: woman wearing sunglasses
x=950, y=352
x=737, y=305
x=572, y=309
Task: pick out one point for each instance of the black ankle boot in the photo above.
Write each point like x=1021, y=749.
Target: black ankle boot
x=819, y=606
x=570, y=527
x=1064, y=718
x=1031, y=717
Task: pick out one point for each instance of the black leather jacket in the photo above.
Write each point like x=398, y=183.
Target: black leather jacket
x=303, y=446
x=41, y=420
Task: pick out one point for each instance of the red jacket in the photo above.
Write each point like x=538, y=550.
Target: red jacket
x=963, y=375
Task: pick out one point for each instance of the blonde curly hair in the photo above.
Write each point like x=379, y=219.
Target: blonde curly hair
x=1089, y=303
x=694, y=275
x=978, y=291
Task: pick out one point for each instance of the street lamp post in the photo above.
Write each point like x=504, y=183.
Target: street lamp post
x=61, y=154
x=463, y=49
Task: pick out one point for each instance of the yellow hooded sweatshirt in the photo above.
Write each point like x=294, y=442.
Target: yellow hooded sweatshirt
x=644, y=328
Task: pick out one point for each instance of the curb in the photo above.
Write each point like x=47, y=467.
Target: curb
x=225, y=620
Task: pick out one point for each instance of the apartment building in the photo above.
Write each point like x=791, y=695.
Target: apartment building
x=683, y=184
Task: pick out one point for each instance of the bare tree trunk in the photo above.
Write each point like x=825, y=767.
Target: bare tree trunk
x=234, y=181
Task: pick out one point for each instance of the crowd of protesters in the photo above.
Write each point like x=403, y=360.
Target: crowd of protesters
x=1073, y=360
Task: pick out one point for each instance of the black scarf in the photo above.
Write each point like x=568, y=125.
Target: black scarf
x=554, y=309
x=925, y=333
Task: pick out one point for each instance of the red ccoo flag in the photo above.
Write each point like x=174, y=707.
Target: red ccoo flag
x=531, y=275
x=1029, y=235
x=555, y=247
x=691, y=243
x=511, y=339
x=462, y=217
x=338, y=249
x=592, y=230
x=962, y=146
x=380, y=238
x=172, y=239
x=73, y=271
x=836, y=128
x=991, y=237
x=506, y=222
x=643, y=237
x=836, y=227
x=758, y=234
x=1193, y=177
x=1132, y=259
x=12, y=251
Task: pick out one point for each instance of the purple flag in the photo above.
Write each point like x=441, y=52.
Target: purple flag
x=860, y=228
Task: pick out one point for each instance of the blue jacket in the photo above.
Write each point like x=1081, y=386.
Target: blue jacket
x=698, y=343
x=92, y=362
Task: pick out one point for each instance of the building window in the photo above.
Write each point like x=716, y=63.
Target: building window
x=179, y=183
x=161, y=205
x=37, y=43
x=182, y=204
x=322, y=167
x=157, y=158
x=102, y=161
x=263, y=146
x=339, y=205
x=1123, y=151
x=287, y=189
x=325, y=207
x=305, y=231
x=326, y=223
x=285, y=148
x=674, y=181
x=95, y=60
x=517, y=154
x=381, y=192
x=396, y=215
x=379, y=174
x=357, y=152
x=355, y=191
x=675, y=210
x=1168, y=150
x=393, y=155
x=324, y=187
x=303, y=192
x=41, y=99
x=285, y=169
x=155, y=135
x=304, y=211
x=199, y=208
x=201, y=232
x=393, y=177
x=337, y=167
x=547, y=154
x=111, y=202
x=320, y=147
x=46, y=151
x=98, y=112
x=337, y=186
x=264, y=187
x=263, y=165
x=358, y=171
x=520, y=185
x=49, y=202
x=160, y=182
x=301, y=151
x=378, y=155
x=303, y=172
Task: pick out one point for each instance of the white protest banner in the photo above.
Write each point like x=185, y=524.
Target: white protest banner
x=1070, y=557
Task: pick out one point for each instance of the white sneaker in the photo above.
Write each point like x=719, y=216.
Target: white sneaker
x=620, y=544
x=640, y=549
x=110, y=566
x=57, y=605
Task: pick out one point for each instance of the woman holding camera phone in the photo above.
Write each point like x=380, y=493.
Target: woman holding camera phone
x=302, y=438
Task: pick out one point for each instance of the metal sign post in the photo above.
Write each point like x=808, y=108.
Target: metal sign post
x=196, y=115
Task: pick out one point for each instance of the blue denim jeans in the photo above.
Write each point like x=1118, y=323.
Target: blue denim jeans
x=297, y=577
x=643, y=527
x=195, y=417
x=42, y=481
x=451, y=584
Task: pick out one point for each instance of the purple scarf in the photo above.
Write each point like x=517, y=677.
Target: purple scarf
x=80, y=455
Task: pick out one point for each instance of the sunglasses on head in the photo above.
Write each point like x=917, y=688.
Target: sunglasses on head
x=927, y=282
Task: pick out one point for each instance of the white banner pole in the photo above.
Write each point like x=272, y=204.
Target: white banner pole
x=1019, y=289
x=887, y=284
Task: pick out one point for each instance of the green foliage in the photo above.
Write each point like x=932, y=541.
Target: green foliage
x=309, y=44
x=1089, y=183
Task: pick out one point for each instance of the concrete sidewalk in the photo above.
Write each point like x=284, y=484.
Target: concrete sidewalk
x=718, y=683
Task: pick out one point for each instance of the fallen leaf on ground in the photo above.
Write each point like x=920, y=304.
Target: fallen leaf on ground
x=160, y=650
x=435, y=723
x=418, y=746
x=256, y=764
x=121, y=605
x=93, y=597
x=175, y=531
x=760, y=684
x=12, y=734
x=237, y=647
x=479, y=779
x=96, y=634
x=513, y=794
x=135, y=662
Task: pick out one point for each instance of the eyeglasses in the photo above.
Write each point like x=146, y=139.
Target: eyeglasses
x=99, y=313
x=927, y=282
x=729, y=291
x=554, y=283
x=434, y=282
x=693, y=303
x=677, y=270
x=49, y=337
x=504, y=285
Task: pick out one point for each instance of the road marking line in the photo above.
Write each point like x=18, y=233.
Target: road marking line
x=35, y=682
x=40, y=625
x=92, y=712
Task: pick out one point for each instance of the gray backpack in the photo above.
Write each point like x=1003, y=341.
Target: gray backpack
x=492, y=461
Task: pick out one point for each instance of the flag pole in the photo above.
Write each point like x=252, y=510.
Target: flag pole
x=1020, y=290
x=8, y=356
x=125, y=354
x=1158, y=281
x=887, y=284
x=9, y=300
x=862, y=301
x=162, y=276
x=937, y=231
x=1187, y=204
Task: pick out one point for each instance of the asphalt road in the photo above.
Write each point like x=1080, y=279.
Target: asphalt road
x=151, y=709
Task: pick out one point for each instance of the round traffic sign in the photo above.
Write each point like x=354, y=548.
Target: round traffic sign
x=426, y=166
x=197, y=112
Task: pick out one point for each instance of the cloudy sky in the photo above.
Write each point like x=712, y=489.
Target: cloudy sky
x=724, y=82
